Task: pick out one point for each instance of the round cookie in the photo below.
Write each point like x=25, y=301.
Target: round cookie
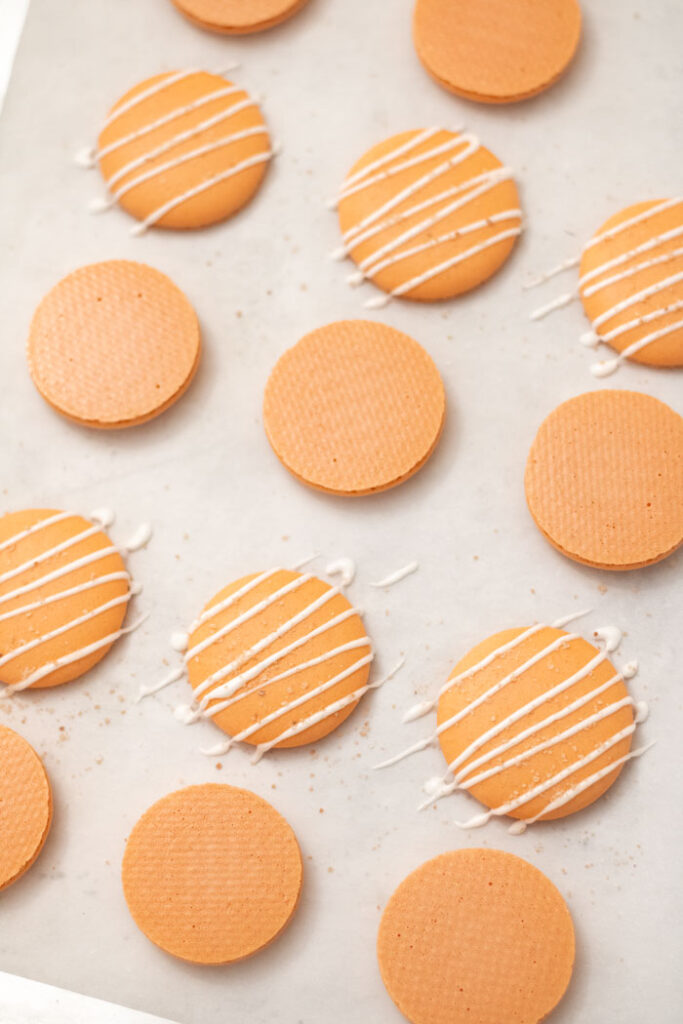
x=495, y=51
x=64, y=590
x=238, y=17
x=183, y=149
x=212, y=874
x=604, y=479
x=354, y=407
x=25, y=806
x=113, y=344
x=631, y=285
x=476, y=937
x=535, y=724
x=278, y=659
x=427, y=215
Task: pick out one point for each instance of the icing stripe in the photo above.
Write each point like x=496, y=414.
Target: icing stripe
x=177, y=140
x=170, y=79
x=69, y=659
x=379, y=301
x=608, y=366
x=644, y=293
x=665, y=204
x=157, y=214
x=62, y=594
x=215, y=708
x=651, y=243
x=40, y=525
x=255, y=609
x=554, y=780
x=56, y=574
x=638, y=321
x=405, y=147
x=630, y=271
x=173, y=115
x=228, y=602
x=50, y=553
x=72, y=624
x=194, y=154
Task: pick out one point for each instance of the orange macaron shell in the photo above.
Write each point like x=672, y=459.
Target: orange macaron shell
x=354, y=407
x=659, y=239
x=476, y=936
x=560, y=664
x=493, y=51
x=33, y=628
x=604, y=479
x=113, y=344
x=361, y=207
x=151, y=141
x=238, y=17
x=25, y=806
x=212, y=874
x=262, y=695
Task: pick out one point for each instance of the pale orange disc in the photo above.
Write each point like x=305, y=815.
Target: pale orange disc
x=237, y=17
x=541, y=724
x=631, y=284
x=25, y=806
x=427, y=215
x=64, y=590
x=278, y=659
x=354, y=407
x=212, y=874
x=183, y=149
x=476, y=937
x=604, y=479
x=495, y=51
x=113, y=344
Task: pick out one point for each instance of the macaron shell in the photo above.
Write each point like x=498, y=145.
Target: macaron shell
x=493, y=51
x=666, y=350
x=191, y=113
x=419, y=182
x=238, y=17
x=354, y=407
x=261, y=696
x=25, y=806
x=37, y=622
x=113, y=344
x=476, y=937
x=604, y=479
x=212, y=874
x=559, y=665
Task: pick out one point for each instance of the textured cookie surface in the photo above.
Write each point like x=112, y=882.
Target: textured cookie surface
x=495, y=51
x=535, y=723
x=604, y=479
x=278, y=659
x=64, y=590
x=476, y=937
x=212, y=874
x=238, y=16
x=427, y=215
x=25, y=806
x=354, y=407
x=113, y=344
x=183, y=149
x=631, y=282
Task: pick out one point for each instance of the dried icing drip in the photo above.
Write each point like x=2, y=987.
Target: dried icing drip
x=345, y=568
x=140, y=538
x=467, y=770
x=118, y=187
x=603, y=277
x=396, y=577
x=222, y=689
x=441, y=206
x=179, y=641
x=102, y=518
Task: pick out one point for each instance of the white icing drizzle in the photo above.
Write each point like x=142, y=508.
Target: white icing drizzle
x=601, y=278
x=345, y=568
x=180, y=641
x=161, y=211
x=103, y=518
x=140, y=538
x=463, y=773
x=396, y=577
x=611, y=636
x=377, y=221
x=630, y=669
